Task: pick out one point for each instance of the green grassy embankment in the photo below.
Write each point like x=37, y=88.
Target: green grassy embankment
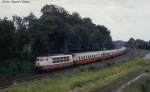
x=142, y=84
x=85, y=81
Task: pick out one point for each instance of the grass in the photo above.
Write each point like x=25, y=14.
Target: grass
x=85, y=81
x=141, y=85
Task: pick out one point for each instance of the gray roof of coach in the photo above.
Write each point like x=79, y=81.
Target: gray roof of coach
x=89, y=53
x=85, y=53
x=57, y=55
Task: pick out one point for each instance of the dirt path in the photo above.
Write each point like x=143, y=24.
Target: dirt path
x=147, y=56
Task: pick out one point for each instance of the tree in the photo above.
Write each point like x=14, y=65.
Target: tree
x=131, y=43
x=7, y=38
x=53, y=10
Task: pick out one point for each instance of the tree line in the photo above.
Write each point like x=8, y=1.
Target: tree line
x=55, y=31
x=138, y=43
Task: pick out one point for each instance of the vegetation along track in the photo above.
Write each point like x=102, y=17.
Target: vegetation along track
x=7, y=81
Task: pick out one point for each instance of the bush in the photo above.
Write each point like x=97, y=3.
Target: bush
x=16, y=66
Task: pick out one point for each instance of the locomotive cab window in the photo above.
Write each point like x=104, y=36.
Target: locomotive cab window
x=46, y=59
x=41, y=59
x=37, y=59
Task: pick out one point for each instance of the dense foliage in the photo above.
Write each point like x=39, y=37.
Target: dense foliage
x=56, y=31
x=138, y=43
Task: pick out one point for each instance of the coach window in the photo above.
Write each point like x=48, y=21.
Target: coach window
x=55, y=60
x=61, y=59
x=66, y=58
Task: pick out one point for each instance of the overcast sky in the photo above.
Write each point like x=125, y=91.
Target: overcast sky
x=125, y=18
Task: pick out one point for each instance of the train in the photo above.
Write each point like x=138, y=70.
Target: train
x=51, y=62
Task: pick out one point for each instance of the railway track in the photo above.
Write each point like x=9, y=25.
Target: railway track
x=7, y=81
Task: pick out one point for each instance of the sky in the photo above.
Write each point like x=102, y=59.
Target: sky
x=124, y=18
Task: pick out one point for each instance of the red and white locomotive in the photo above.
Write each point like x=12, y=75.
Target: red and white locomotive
x=58, y=61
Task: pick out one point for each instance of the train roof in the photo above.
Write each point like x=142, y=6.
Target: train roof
x=94, y=52
x=83, y=53
x=54, y=55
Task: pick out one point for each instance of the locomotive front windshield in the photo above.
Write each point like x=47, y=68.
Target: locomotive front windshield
x=39, y=59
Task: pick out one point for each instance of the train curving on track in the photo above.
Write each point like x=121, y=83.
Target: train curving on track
x=64, y=60
x=59, y=61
